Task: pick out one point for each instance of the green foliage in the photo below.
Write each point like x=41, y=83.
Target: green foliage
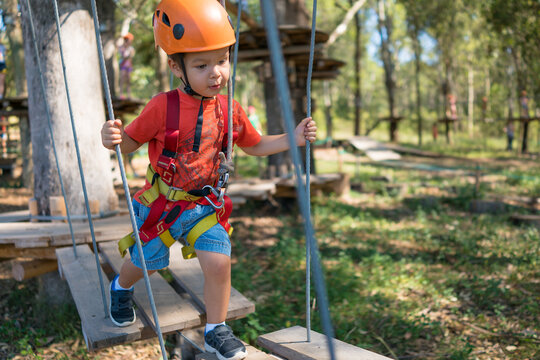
x=28, y=323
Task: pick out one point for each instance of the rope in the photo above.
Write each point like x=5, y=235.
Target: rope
x=81, y=172
x=107, y=92
x=278, y=66
x=308, y=167
x=49, y=121
x=236, y=44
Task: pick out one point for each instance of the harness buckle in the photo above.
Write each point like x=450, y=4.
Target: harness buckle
x=217, y=194
x=171, y=189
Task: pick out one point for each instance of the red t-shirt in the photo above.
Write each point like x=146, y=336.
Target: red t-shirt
x=193, y=169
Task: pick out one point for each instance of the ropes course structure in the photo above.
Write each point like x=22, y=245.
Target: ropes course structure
x=303, y=190
x=278, y=66
x=107, y=92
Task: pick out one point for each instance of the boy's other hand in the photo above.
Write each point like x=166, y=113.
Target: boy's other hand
x=111, y=133
x=305, y=131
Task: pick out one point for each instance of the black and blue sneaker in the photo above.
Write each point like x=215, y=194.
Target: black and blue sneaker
x=121, y=308
x=224, y=344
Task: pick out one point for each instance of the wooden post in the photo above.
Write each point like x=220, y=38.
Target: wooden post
x=58, y=207
x=22, y=270
x=94, y=206
x=33, y=208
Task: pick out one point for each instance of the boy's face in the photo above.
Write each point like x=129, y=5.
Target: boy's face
x=207, y=71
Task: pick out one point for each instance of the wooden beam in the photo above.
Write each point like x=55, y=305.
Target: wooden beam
x=10, y=251
x=248, y=20
x=22, y=270
x=247, y=55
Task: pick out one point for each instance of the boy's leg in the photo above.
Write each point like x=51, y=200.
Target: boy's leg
x=219, y=339
x=130, y=274
x=121, y=308
x=216, y=268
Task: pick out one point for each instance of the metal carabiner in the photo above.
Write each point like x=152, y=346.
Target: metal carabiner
x=216, y=194
x=214, y=205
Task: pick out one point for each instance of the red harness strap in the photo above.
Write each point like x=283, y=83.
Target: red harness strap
x=153, y=226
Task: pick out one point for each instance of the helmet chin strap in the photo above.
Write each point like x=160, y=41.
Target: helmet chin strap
x=187, y=87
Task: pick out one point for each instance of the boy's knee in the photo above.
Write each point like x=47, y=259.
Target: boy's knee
x=221, y=268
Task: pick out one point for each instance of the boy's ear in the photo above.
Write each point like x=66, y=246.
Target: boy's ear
x=175, y=68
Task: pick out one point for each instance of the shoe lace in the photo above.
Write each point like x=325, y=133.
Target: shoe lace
x=123, y=302
x=225, y=335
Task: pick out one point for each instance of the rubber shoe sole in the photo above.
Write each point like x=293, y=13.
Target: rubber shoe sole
x=238, y=356
x=119, y=324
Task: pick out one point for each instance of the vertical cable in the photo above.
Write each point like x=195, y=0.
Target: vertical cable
x=236, y=44
x=308, y=167
x=278, y=66
x=107, y=93
x=49, y=122
x=79, y=162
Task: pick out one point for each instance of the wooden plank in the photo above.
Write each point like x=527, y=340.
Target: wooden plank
x=189, y=275
x=253, y=354
x=174, y=312
x=83, y=281
x=291, y=344
x=42, y=234
x=531, y=220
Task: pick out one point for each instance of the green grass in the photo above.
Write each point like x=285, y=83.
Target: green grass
x=406, y=277
x=403, y=281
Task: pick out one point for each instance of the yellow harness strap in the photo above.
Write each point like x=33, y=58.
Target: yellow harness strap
x=188, y=251
x=172, y=194
x=160, y=187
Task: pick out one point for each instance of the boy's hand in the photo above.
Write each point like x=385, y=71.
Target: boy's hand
x=305, y=131
x=111, y=133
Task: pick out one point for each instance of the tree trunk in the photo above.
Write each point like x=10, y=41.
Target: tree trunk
x=162, y=71
x=106, y=10
x=417, y=62
x=357, y=75
x=278, y=164
x=83, y=76
x=15, y=37
x=328, y=111
x=292, y=12
x=385, y=21
x=470, y=100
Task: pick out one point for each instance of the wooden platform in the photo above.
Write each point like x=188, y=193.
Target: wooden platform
x=291, y=344
x=373, y=149
x=46, y=234
x=179, y=305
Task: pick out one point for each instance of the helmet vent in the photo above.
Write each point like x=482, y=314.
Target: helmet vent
x=166, y=20
x=178, y=31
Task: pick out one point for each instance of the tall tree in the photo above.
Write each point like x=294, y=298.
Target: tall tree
x=79, y=45
x=358, y=50
x=385, y=26
x=12, y=20
x=288, y=12
x=417, y=17
x=517, y=24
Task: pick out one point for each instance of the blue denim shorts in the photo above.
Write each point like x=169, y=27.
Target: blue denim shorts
x=156, y=254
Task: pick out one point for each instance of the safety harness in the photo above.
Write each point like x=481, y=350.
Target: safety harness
x=163, y=191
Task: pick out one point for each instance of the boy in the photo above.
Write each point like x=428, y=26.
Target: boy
x=197, y=37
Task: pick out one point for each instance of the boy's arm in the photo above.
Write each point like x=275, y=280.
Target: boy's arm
x=273, y=144
x=112, y=133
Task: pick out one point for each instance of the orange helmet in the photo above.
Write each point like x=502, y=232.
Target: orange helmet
x=182, y=26
x=128, y=36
